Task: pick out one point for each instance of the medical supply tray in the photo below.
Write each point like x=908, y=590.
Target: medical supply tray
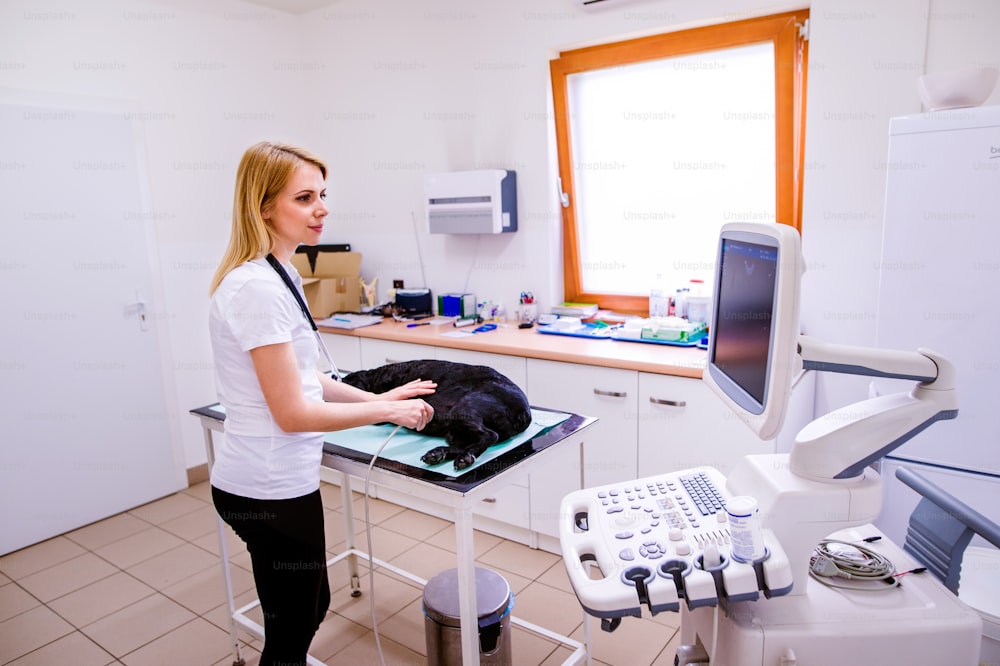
x=582, y=331
x=699, y=342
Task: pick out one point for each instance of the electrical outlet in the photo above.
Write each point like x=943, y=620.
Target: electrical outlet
x=397, y=284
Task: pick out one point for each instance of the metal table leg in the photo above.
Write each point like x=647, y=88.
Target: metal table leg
x=468, y=617
x=224, y=554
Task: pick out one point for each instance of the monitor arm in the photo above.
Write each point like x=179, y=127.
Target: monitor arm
x=842, y=443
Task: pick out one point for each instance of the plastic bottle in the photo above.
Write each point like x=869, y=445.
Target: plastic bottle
x=681, y=303
x=658, y=298
x=699, y=303
x=744, y=528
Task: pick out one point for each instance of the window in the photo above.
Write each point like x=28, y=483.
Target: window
x=663, y=139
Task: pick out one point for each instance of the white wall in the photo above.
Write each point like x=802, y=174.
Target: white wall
x=388, y=90
x=865, y=58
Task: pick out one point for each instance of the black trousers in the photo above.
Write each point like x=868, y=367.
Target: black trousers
x=287, y=549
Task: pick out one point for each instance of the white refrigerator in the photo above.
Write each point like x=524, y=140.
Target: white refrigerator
x=940, y=289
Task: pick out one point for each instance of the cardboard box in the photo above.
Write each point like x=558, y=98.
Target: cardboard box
x=333, y=285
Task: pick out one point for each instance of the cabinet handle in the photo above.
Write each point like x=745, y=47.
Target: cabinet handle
x=613, y=394
x=672, y=403
x=490, y=500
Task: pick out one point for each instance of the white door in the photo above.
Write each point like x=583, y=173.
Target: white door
x=87, y=428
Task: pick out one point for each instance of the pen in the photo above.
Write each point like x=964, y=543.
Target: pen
x=341, y=319
x=423, y=323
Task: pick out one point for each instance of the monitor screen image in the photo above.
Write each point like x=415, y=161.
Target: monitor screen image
x=743, y=324
x=754, y=328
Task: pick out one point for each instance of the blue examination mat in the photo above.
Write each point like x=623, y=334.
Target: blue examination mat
x=407, y=446
x=402, y=453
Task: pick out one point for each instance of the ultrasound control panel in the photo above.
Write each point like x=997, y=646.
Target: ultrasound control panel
x=658, y=541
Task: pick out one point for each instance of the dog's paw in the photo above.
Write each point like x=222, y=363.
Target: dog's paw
x=464, y=460
x=436, y=456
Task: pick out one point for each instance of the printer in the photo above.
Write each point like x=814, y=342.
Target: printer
x=483, y=201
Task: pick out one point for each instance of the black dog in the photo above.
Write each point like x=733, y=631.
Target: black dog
x=474, y=405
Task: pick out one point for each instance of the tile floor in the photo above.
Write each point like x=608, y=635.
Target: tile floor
x=145, y=587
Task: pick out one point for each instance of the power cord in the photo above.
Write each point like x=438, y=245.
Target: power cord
x=834, y=559
x=368, y=535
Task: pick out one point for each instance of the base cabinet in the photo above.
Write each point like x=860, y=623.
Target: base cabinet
x=646, y=424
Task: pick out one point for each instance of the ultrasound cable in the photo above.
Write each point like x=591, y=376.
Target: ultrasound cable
x=368, y=534
x=840, y=559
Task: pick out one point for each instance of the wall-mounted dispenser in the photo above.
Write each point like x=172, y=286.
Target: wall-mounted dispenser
x=471, y=202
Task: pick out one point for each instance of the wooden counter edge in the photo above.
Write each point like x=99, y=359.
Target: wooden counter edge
x=528, y=343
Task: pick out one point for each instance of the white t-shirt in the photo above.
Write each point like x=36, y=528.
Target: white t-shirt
x=252, y=308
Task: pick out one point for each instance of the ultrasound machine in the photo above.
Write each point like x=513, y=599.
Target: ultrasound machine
x=737, y=556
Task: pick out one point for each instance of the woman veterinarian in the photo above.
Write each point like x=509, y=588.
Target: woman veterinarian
x=265, y=481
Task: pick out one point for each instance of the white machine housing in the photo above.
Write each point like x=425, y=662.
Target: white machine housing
x=483, y=201
x=824, y=486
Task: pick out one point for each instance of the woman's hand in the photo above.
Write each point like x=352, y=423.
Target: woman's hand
x=416, y=388
x=413, y=414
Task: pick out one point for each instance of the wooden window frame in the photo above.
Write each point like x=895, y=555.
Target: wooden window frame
x=784, y=30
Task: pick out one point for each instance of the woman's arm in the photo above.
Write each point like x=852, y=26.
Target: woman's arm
x=334, y=391
x=278, y=374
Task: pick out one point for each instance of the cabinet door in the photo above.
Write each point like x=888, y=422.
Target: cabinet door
x=609, y=394
x=682, y=424
x=375, y=353
x=345, y=350
x=515, y=368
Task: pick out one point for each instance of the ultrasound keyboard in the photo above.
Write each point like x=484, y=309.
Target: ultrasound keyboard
x=655, y=541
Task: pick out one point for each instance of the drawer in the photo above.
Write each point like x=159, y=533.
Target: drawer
x=375, y=353
x=345, y=350
x=683, y=424
x=512, y=367
x=509, y=504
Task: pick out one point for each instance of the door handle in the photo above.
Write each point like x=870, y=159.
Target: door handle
x=137, y=310
x=671, y=403
x=612, y=394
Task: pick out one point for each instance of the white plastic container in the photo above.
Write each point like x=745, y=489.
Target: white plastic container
x=699, y=308
x=699, y=303
x=658, y=300
x=744, y=528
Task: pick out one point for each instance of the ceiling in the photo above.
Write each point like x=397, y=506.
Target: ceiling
x=292, y=6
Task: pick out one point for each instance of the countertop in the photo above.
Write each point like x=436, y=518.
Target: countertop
x=529, y=343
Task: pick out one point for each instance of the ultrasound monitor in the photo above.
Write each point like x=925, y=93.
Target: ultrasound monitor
x=754, y=328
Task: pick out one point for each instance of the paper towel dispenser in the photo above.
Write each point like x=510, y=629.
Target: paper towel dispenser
x=471, y=202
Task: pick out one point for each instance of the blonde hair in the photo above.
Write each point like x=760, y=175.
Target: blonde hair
x=263, y=172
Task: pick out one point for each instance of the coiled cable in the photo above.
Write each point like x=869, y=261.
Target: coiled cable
x=834, y=559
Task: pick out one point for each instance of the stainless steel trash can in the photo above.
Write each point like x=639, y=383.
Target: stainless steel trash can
x=494, y=602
